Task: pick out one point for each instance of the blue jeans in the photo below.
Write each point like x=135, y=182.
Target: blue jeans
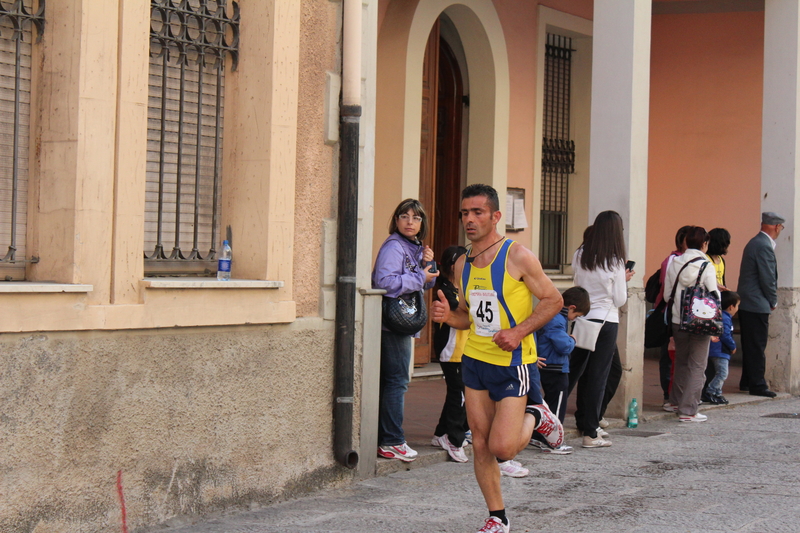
x=720, y=375
x=395, y=361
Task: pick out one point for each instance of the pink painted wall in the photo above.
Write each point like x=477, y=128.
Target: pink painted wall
x=520, y=23
x=705, y=130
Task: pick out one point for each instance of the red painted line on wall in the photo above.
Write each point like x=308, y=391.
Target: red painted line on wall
x=122, y=502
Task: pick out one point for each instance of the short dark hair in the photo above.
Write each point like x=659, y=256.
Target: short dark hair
x=680, y=236
x=578, y=297
x=479, y=189
x=450, y=255
x=720, y=240
x=695, y=237
x=729, y=298
x=403, y=207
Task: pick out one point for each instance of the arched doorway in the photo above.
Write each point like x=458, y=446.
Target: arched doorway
x=441, y=141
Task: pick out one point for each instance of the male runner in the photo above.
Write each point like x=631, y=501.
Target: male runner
x=496, y=281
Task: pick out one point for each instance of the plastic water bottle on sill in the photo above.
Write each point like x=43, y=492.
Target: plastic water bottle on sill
x=224, y=262
x=633, y=414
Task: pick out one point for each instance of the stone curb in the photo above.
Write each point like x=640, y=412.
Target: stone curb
x=429, y=455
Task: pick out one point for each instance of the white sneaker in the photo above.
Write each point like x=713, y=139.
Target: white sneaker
x=511, y=468
x=456, y=454
x=699, y=417
x=602, y=433
x=597, y=442
x=494, y=525
x=564, y=449
x=603, y=423
x=538, y=444
x=402, y=452
x=670, y=407
x=468, y=437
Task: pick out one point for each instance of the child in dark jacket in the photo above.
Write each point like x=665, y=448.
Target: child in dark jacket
x=554, y=345
x=720, y=350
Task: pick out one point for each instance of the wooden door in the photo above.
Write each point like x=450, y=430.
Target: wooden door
x=423, y=351
x=440, y=158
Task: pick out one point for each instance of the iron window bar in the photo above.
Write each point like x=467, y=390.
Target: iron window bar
x=22, y=19
x=558, y=151
x=190, y=34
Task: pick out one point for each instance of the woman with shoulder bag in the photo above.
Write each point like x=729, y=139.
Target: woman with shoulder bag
x=403, y=270
x=691, y=349
x=599, y=266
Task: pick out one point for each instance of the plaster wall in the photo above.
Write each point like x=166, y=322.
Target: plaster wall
x=196, y=420
x=705, y=130
x=317, y=162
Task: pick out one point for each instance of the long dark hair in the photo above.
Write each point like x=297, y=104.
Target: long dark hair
x=604, y=246
x=402, y=208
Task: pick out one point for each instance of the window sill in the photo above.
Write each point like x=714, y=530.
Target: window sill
x=209, y=283
x=42, y=287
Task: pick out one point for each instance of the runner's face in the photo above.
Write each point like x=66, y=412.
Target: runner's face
x=477, y=217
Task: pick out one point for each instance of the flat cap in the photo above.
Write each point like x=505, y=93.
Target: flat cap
x=770, y=218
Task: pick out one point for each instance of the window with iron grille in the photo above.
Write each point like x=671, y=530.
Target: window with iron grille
x=190, y=42
x=17, y=22
x=558, y=151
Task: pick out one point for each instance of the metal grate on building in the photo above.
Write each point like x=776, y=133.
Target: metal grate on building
x=190, y=42
x=17, y=22
x=558, y=151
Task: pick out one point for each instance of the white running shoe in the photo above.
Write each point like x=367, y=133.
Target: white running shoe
x=468, y=437
x=456, y=453
x=699, y=417
x=564, y=449
x=670, y=407
x=512, y=468
x=602, y=433
x=549, y=425
x=494, y=525
x=402, y=452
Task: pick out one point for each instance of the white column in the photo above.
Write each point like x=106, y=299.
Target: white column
x=779, y=185
x=618, y=159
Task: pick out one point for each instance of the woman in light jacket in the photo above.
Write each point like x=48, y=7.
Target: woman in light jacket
x=691, y=350
x=400, y=268
x=599, y=266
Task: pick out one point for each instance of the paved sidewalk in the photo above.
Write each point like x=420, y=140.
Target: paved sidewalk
x=738, y=472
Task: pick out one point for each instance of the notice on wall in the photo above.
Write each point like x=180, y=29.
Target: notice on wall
x=515, y=210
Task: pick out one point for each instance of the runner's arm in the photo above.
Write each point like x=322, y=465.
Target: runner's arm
x=524, y=263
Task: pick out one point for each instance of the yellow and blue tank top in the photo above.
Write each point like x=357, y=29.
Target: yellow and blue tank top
x=496, y=301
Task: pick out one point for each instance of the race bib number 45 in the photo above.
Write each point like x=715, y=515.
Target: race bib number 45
x=485, y=311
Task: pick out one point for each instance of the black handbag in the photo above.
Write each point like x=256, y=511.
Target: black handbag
x=405, y=314
x=656, y=329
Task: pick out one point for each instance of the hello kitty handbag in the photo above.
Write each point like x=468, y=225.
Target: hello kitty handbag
x=701, y=311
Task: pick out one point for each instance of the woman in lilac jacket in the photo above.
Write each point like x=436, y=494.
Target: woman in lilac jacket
x=400, y=268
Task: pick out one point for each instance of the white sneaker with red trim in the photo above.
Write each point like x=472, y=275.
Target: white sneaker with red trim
x=402, y=452
x=494, y=525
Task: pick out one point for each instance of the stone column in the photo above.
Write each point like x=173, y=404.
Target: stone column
x=779, y=185
x=618, y=160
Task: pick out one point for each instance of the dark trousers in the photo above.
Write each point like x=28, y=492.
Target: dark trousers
x=556, y=389
x=453, y=420
x=665, y=370
x=589, y=372
x=755, y=332
x=614, y=376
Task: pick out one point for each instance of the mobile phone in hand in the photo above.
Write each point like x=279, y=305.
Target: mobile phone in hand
x=629, y=265
x=433, y=269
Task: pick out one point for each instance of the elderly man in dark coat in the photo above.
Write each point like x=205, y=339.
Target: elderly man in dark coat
x=758, y=289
